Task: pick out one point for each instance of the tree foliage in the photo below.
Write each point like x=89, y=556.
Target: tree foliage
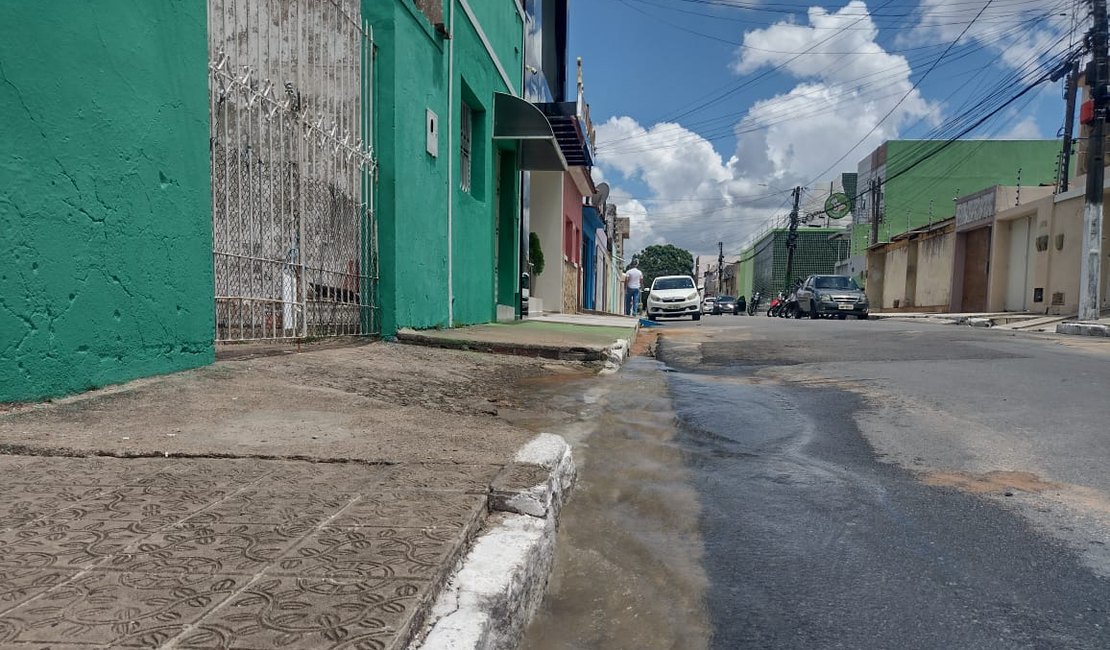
x=535, y=253
x=663, y=259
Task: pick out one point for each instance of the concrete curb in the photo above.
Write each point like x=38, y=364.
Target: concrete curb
x=618, y=353
x=491, y=597
x=1083, y=329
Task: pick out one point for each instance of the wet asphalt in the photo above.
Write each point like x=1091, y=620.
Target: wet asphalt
x=796, y=533
x=812, y=542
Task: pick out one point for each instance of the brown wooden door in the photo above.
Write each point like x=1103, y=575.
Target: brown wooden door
x=977, y=255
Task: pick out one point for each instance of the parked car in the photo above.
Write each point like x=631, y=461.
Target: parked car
x=831, y=295
x=725, y=305
x=672, y=296
x=707, y=305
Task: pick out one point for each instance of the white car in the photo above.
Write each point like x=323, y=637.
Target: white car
x=707, y=305
x=673, y=295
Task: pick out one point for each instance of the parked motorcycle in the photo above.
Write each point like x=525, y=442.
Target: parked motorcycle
x=753, y=305
x=789, y=308
x=775, y=308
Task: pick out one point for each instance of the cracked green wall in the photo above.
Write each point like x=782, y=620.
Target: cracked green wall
x=105, y=208
x=414, y=188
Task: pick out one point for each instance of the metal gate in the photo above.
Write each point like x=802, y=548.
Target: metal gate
x=294, y=233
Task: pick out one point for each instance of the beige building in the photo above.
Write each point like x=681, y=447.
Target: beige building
x=1035, y=255
x=913, y=272
x=975, y=235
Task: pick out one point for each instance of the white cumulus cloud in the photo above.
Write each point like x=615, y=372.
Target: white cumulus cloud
x=1016, y=31
x=848, y=90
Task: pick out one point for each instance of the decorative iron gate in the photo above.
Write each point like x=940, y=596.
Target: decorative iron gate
x=294, y=233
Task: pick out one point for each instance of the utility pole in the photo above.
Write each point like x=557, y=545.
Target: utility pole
x=792, y=240
x=720, y=268
x=1069, y=126
x=874, y=212
x=1090, y=272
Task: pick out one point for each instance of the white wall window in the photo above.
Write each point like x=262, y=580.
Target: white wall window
x=466, y=130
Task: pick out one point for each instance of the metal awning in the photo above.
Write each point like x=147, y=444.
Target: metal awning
x=518, y=119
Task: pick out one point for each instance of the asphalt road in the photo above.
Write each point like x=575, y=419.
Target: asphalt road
x=847, y=484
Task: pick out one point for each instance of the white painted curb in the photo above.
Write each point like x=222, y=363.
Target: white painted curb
x=489, y=601
x=1083, y=329
x=615, y=356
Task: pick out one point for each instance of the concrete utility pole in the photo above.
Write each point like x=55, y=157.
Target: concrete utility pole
x=1090, y=271
x=1069, y=126
x=792, y=239
x=874, y=212
x=720, y=267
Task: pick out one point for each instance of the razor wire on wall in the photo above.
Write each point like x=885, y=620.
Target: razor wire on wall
x=294, y=233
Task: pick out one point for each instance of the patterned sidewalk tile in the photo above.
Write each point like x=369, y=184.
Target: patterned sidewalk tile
x=275, y=506
x=143, y=503
x=206, y=473
x=50, y=645
x=413, y=509
x=359, y=553
x=117, y=609
x=99, y=553
x=337, y=478
x=441, y=476
x=207, y=549
x=27, y=502
x=70, y=472
x=299, y=613
x=66, y=544
x=19, y=585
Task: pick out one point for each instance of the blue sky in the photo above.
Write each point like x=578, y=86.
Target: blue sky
x=707, y=114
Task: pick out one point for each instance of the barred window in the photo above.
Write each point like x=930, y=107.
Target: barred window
x=466, y=126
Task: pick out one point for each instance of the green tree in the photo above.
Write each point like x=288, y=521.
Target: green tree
x=535, y=253
x=663, y=259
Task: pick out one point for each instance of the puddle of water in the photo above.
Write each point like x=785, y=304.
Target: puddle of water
x=628, y=570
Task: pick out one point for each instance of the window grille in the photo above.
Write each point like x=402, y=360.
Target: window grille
x=466, y=125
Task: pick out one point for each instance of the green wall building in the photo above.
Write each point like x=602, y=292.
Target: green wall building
x=105, y=205
x=920, y=179
x=447, y=194
x=762, y=267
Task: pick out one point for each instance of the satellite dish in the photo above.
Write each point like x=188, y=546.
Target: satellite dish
x=601, y=196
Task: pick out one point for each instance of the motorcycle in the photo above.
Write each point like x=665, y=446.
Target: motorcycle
x=775, y=308
x=789, y=307
x=753, y=305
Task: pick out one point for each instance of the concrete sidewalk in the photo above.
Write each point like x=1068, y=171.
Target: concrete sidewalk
x=1010, y=321
x=568, y=337
x=314, y=500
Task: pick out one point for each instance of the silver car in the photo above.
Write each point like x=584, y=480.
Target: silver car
x=831, y=295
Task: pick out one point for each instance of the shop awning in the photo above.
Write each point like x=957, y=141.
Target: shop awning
x=518, y=119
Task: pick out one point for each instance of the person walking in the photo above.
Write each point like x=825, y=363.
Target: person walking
x=633, y=282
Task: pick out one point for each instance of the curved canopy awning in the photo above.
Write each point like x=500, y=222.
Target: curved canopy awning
x=518, y=119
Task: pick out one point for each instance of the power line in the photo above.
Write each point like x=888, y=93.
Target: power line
x=908, y=93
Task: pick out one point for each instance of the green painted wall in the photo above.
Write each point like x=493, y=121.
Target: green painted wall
x=747, y=272
x=477, y=212
x=105, y=205
x=813, y=254
x=410, y=76
x=965, y=167
x=412, y=73
x=505, y=31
